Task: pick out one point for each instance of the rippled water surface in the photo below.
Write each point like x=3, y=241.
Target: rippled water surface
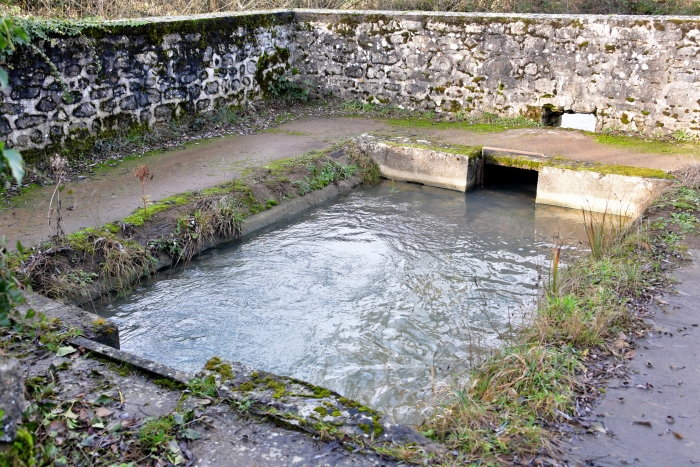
x=361, y=295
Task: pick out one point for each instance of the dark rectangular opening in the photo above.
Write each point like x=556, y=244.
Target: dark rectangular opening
x=495, y=175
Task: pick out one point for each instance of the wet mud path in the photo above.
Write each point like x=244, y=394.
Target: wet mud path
x=112, y=194
x=652, y=417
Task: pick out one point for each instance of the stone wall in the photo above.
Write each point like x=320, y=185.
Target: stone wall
x=124, y=75
x=637, y=73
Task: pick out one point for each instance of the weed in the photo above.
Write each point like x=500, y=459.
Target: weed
x=601, y=230
x=286, y=89
x=367, y=168
x=144, y=175
x=157, y=432
x=59, y=169
x=203, y=387
x=686, y=221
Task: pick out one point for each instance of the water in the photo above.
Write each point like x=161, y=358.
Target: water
x=362, y=295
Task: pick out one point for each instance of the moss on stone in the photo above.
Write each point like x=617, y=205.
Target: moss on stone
x=278, y=388
x=648, y=146
x=246, y=387
x=217, y=366
x=535, y=163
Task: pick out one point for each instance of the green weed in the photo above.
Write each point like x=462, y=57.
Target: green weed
x=203, y=387
x=157, y=432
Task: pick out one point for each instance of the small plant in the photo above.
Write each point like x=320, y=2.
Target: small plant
x=601, y=230
x=686, y=221
x=157, y=432
x=684, y=135
x=58, y=168
x=554, y=272
x=203, y=387
x=144, y=175
x=283, y=87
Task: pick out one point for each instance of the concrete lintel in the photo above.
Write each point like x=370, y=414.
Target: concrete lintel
x=491, y=151
x=427, y=166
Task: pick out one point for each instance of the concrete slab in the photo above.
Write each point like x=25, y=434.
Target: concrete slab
x=428, y=166
x=617, y=194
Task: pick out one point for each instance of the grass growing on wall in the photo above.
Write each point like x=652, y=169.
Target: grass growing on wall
x=141, y=8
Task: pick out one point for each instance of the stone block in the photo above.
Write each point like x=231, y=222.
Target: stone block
x=433, y=167
x=12, y=401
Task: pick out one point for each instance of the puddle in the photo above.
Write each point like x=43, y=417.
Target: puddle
x=362, y=295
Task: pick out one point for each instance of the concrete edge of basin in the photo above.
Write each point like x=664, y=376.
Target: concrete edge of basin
x=250, y=225
x=134, y=360
x=432, y=166
x=569, y=183
x=313, y=409
x=91, y=325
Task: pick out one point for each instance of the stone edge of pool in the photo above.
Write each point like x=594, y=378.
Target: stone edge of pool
x=569, y=183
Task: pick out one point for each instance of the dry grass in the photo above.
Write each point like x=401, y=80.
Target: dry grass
x=368, y=169
x=141, y=8
x=508, y=405
x=123, y=263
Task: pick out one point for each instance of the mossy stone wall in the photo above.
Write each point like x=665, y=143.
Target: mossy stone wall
x=122, y=75
x=635, y=73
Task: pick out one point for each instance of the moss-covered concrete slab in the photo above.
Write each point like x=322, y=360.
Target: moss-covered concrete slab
x=453, y=169
x=312, y=409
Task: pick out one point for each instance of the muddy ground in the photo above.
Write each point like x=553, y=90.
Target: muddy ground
x=651, y=417
x=111, y=194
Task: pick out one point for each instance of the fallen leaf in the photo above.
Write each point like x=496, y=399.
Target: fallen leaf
x=63, y=351
x=630, y=354
x=103, y=399
x=641, y=422
x=57, y=425
x=103, y=412
x=115, y=427
x=677, y=435
x=189, y=433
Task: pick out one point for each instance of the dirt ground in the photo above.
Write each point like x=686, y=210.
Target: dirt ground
x=228, y=438
x=652, y=417
x=113, y=194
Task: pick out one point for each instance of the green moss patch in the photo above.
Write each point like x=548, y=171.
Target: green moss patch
x=648, y=146
x=536, y=163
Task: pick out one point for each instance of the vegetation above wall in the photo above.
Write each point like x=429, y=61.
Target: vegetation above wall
x=140, y=8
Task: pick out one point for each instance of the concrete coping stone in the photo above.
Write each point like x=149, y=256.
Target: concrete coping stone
x=301, y=12
x=141, y=363
x=299, y=405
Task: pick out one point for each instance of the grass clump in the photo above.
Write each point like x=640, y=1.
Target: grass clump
x=157, y=432
x=203, y=387
x=586, y=314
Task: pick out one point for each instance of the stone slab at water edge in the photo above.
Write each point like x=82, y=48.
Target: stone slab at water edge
x=634, y=73
x=616, y=189
x=429, y=166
